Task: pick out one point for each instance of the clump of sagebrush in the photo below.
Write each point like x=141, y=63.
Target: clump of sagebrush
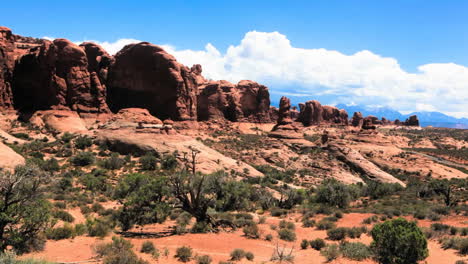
x=184, y=254
x=118, y=251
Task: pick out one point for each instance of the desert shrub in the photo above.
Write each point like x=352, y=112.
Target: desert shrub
x=251, y=231
x=169, y=162
x=457, y=243
x=330, y=252
x=148, y=162
x=148, y=247
x=433, y=217
x=98, y=227
x=304, y=244
x=50, y=165
x=58, y=233
x=63, y=215
x=370, y=220
x=261, y=220
x=409, y=244
x=80, y=229
x=83, y=142
x=355, y=232
x=453, y=230
x=330, y=219
x=442, y=210
x=83, y=159
x=249, y=256
x=268, y=237
x=21, y=135
x=339, y=215
x=420, y=214
x=338, y=233
x=237, y=254
x=324, y=225
x=278, y=212
x=184, y=254
x=287, y=234
x=204, y=259
x=440, y=227
x=355, y=251
x=308, y=223
x=119, y=251
x=317, y=243
x=287, y=225
x=60, y=205
x=114, y=162
x=334, y=193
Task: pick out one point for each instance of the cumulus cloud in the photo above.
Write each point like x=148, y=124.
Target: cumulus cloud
x=361, y=78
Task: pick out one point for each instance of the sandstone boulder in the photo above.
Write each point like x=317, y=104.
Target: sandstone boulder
x=313, y=113
x=55, y=76
x=412, y=121
x=357, y=120
x=59, y=121
x=7, y=47
x=247, y=101
x=154, y=80
x=9, y=159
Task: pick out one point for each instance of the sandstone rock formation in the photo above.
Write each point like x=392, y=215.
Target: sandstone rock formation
x=59, y=121
x=284, y=112
x=7, y=62
x=55, y=76
x=360, y=164
x=208, y=160
x=313, y=113
x=245, y=101
x=357, y=120
x=412, y=121
x=154, y=80
x=284, y=127
x=9, y=159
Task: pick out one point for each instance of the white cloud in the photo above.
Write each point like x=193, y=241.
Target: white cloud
x=113, y=47
x=361, y=78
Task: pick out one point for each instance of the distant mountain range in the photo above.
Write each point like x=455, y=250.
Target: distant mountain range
x=435, y=119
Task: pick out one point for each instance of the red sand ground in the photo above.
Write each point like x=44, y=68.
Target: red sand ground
x=219, y=246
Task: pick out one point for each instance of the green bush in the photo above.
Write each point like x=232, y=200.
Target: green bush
x=287, y=234
x=304, y=244
x=251, y=231
x=355, y=251
x=114, y=162
x=237, y=254
x=148, y=247
x=325, y=225
x=204, y=259
x=98, y=227
x=83, y=159
x=148, y=162
x=287, y=225
x=119, y=251
x=330, y=252
x=457, y=243
x=269, y=237
x=64, y=216
x=408, y=243
x=334, y=193
x=59, y=233
x=249, y=256
x=317, y=243
x=184, y=254
x=83, y=142
x=338, y=233
x=308, y=223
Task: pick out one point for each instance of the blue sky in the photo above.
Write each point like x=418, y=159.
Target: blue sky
x=411, y=32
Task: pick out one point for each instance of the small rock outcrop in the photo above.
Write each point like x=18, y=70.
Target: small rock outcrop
x=154, y=80
x=246, y=101
x=357, y=120
x=7, y=62
x=313, y=113
x=284, y=127
x=412, y=121
x=55, y=75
